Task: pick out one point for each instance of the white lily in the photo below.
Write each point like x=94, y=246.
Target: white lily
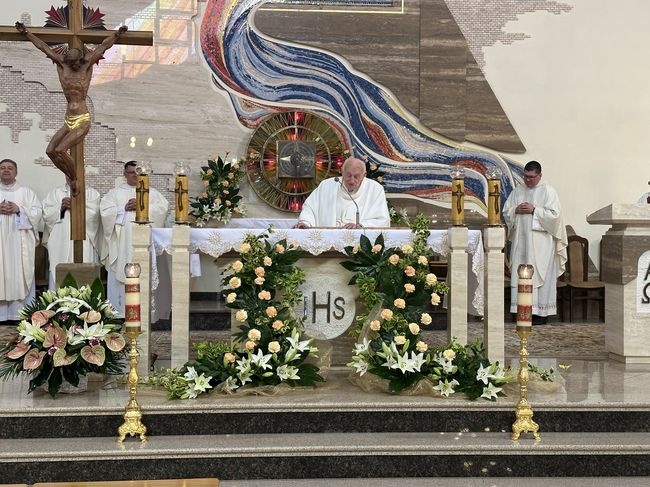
x=288, y=372
x=482, y=374
x=31, y=332
x=363, y=347
x=491, y=391
x=87, y=333
x=359, y=364
x=261, y=360
x=446, y=387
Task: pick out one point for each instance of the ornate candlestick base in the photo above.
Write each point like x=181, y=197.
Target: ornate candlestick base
x=132, y=416
x=524, y=412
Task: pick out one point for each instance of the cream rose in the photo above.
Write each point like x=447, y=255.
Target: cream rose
x=431, y=279
x=449, y=354
x=254, y=334
x=234, y=282
x=399, y=303
x=241, y=315
x=375, y=325
x=274, y=347
x=231, y=298
x=250, y=345
x=259, y=271
x=376, y=248
x=229, y=357
x=244, y=248
x=414, y=328
x=394, y=259
x=435, y=299
x=399, y=340
x=356, y=248
x=409, y=288
x=264, y=295
x=422, y=260
x=421, y=347
x=409, y=271
x=271, y=312
x=279, y=248
x=259, y=281
x=407, y=249
x=237, y=266
x=425, y=319
x=268, y=261
x=386, y=314
x=277, y=324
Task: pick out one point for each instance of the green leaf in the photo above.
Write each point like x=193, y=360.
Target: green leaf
x=69, y=281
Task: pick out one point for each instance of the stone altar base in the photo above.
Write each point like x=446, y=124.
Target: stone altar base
x=83, y=273
x=594, y=421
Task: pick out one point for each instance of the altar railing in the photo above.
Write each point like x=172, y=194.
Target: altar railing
x=475, y=271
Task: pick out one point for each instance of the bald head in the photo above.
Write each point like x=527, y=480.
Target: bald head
x=353, y=172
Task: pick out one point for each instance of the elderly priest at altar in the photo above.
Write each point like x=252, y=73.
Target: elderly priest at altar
x=351, y=201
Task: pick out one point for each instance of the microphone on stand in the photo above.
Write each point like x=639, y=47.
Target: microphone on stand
x=338, y=180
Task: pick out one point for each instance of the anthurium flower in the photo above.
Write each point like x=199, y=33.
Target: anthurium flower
x=61, y=358
x=39, y=318
x=21, y=349
x=33, y=359
x=94, y=355
x=55, y=337
x=91, y=316
x=115, y=341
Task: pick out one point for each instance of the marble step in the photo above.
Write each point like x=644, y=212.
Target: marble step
x=310, y=456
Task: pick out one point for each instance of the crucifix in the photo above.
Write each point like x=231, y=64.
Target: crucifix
x=75, y=73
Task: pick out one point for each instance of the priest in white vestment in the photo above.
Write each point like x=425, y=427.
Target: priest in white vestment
x=538, y=237
x=117, y=209
x=56, y=235
x=20, y=216
x=347, y=202
x=645, y=198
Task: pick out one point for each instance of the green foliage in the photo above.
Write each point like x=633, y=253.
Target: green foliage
x=221, y=196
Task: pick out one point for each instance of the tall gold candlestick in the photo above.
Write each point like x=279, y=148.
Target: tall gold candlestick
x=133, y=414
x=524, y=412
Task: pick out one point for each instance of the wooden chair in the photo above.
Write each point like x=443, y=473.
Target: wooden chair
x=579, y=287
x=562, y=288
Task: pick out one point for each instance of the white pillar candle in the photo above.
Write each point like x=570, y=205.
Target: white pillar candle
x=525, y=295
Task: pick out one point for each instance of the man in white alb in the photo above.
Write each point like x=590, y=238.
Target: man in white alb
x=20, y=216
x=335, y=202
x=117, y=212
x=56, y=236
x=538, y=236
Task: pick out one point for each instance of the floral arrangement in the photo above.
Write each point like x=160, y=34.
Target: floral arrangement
x=65, y=334
x=221, y=197
x=269, y=348
x=395, y=286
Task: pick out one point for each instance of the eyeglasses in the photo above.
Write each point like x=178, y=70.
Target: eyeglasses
x=532, y=176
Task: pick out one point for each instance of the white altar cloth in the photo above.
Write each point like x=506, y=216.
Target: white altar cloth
x=218, y=241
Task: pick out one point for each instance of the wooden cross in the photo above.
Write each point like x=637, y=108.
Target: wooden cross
x=75, y=35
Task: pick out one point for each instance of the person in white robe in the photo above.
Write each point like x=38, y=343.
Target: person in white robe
x=56, y=235
x=645, y=198
x=117, y=210
x=537, y=234
x=20, y=217
x=336, y=201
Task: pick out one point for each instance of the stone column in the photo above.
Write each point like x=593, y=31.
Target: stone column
x=142, y=244
x=180, y=275
x=457, y=281
x=625, y=269
x=493, y=327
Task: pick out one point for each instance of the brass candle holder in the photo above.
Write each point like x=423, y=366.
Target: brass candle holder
x=494, y=196
x=182, y=171
x=524, y=412
x=458, y=196
x=133, y=414
x=142, y=193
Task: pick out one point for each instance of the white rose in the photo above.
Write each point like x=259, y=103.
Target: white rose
x=422, y=260
x=435, y=299
x=231, y=298
x=431, y=279
x=407, y=249
x=244, y=248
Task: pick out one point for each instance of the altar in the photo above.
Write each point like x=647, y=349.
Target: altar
x=169, y=258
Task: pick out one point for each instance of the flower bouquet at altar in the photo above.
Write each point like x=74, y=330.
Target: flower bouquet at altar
x=396, y=289
x=63, y=335
x=270, y=349
x=220, y=198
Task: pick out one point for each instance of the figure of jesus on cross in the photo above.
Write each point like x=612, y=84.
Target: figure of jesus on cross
x=75, y=73
x=75, y=69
